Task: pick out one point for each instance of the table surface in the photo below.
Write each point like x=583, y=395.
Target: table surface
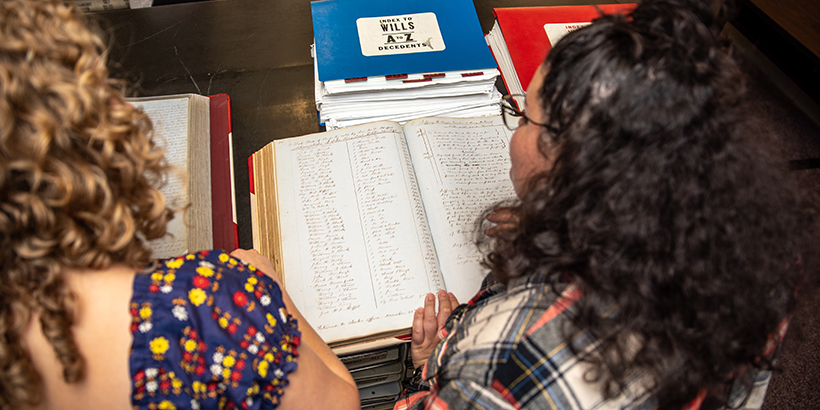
x=256, y=51
x=799, y=18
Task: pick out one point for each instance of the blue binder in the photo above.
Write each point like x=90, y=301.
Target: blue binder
x=399, y=38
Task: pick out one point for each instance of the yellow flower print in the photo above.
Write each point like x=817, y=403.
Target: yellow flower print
x=252, y=280
x=253, y=391
x=197, y=296
x=145, y=312
x=199, y=387
x=223, y=257
x=263, y=368
x=226, y=373
x=232, y=261
x=190, y=256
x=268, y=357
x=205, y=271
x=156, y=276
x=159, y=345
x=174, y=264
x=166, y=405
x=176, y=384
x=190, y=345
x=223, y=322
x=229, y=361
x=271, y=319
x=170, y=277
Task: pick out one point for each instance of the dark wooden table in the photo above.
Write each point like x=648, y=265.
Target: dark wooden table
x=256, y=51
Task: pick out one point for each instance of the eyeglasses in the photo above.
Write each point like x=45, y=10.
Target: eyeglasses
x=512, y=115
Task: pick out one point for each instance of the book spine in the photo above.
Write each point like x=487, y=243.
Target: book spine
x=254, y=212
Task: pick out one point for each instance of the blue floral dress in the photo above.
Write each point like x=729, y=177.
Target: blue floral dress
x=210, y=332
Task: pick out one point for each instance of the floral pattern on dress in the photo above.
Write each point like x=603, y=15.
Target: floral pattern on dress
x=210, y=332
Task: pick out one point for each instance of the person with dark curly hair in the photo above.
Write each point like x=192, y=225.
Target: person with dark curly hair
x=656, y=247
x=87, y=319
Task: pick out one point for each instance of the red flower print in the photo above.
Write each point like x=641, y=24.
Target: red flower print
x=153, y=288
x=201, y=282
x=134, y=327
x=269, y=387
x=140, y=375
x=165, y=384
x=201, y=346
x=240, y=364
x=258, y=293
x=212, y=386
x=240, y=298
x=232, y=328
x=251, y=330
x=244, y=344
x=187, y=357
x=236, y=376
x=200, y=370
x=214, y=316
x=192, y=334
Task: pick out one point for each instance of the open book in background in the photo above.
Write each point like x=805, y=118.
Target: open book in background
x=377, y=60
x=362, y=222
x=195, y=131
x=522, y=36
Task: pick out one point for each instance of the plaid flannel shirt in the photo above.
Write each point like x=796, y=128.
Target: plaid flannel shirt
x=505, y=350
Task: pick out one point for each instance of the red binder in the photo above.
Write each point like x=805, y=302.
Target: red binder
x=525, y=35
x=225, y=230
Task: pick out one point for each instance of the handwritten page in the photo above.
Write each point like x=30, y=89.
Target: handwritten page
x=463, y=167
x=358, y=256
x=170, y=121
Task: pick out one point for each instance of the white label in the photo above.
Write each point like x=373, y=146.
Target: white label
x=555, y=31
x=402, y=34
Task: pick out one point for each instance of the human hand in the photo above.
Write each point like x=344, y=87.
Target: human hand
x=505, y=218
x=426, y=324
x=259, y=261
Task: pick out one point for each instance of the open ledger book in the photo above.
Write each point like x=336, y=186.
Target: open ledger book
x=362, y=222
x=195, y=132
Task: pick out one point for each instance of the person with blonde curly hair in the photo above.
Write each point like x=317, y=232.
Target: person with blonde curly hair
x=88, y=319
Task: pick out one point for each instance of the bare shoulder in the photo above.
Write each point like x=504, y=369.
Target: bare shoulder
x=313, y=376
x=102, y=333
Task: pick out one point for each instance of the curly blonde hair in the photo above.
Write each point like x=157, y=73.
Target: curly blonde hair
x=79, y=178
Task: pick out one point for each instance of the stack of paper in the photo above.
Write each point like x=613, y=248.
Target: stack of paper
x=376, y=60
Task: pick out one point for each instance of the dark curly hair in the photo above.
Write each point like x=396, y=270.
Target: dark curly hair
x=663, y=200
x=79, y=180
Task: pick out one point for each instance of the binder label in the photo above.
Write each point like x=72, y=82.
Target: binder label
x=555, y=31
x=402, y=34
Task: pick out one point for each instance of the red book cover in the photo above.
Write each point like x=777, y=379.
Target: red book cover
x=226, y=235
x=525, y=30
